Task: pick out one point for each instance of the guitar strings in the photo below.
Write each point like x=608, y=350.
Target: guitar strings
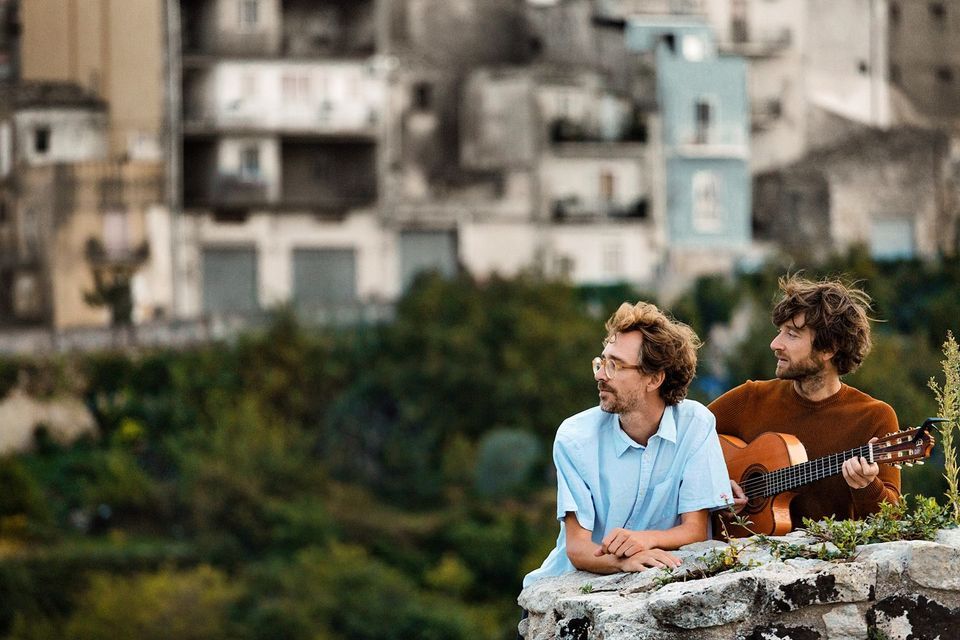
x=780, y=480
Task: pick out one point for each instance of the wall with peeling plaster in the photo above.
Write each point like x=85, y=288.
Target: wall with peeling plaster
x=895, y=591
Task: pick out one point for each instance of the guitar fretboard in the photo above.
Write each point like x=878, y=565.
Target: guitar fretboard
x=775, y=482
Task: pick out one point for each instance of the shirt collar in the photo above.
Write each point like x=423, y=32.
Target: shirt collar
x=666, y=431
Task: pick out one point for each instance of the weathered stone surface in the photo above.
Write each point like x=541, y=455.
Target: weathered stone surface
x=896, y=590
x=782, y=632
x=845, y=623
x=693, y=605
x=832, y=583
x=913, y=617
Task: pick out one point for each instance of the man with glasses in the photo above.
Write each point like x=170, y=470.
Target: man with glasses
x=636, y=475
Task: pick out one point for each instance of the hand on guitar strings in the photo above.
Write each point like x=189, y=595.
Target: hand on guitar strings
x=739, y=497
x=859, y=472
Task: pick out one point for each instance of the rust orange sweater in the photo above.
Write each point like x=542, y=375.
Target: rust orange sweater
x=843, y=421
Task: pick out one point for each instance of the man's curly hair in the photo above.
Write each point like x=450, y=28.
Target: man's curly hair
x=668, y=345
x=837, y=313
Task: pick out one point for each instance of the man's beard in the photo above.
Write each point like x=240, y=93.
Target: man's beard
x=616, y=403
x=801, y=370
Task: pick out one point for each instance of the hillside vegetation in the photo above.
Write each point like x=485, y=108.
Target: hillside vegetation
x=378, y=482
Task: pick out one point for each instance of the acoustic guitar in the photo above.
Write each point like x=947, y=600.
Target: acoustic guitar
x=773, y=464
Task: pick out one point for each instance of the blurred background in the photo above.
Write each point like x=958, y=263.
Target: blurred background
x=295, y=293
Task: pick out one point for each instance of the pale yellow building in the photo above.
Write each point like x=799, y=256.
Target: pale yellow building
x=85, y=184
x=112, y=48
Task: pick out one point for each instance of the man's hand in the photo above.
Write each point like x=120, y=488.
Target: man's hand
x=858, y=472
x=657, y=558
x=624, y=543
x=739, y=497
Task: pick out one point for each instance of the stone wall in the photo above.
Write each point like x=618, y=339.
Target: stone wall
x=891, y=591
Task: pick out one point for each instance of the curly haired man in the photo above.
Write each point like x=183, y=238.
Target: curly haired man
x=823, y=333
x=638, y=474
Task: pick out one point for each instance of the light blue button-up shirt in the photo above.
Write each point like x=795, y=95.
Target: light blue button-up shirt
x=610, y=481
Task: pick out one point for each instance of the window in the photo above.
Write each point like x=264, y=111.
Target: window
x=703, y=112
x=249, y=14
x=427, y=251
x=892, y=238
x=229, y=279
x=707, y=208
x=323, y=278
x=248, y=85
x=612, y=259
x=295, y=87
x=116, y=235
x=41, y=139
x=250, y=162
x=693, y=48
x=862, y=67
x=894, y=14
x=945, y=74
x=422, y=96
x=607, y=187
x=938, y=12
x=894, y=74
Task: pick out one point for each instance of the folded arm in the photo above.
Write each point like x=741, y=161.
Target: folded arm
x=624, y=550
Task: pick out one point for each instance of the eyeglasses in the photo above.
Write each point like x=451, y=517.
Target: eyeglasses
x=609, y=366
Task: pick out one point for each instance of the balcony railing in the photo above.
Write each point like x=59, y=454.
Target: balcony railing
x=271, y=44
x=758, y=43
x=712, y=139
x=576, y=210
x=234, y=190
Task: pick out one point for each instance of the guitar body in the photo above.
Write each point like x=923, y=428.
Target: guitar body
x=768, y=452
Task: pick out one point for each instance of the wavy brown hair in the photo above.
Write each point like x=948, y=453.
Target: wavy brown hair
x=837, y=313
x=668, y=345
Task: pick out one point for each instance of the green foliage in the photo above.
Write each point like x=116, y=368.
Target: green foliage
x=24, y=513
x=192, y=605
x=9, y=374
x=897, y=371
x=711, y=300
x=948, y=401
x=505, y=462
x=341, y=592
x=897, y=521
x=460, y=359
x=421, y=442
x=44, y=585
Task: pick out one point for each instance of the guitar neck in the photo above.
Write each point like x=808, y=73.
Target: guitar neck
x=788, y=478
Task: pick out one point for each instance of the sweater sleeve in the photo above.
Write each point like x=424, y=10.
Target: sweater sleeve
x=886, y=486
x=729, y=409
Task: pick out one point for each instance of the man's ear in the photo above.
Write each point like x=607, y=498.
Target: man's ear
x=656, y=379
x=825, y=356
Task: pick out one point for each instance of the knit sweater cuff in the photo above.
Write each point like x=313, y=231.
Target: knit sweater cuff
x=870, y=493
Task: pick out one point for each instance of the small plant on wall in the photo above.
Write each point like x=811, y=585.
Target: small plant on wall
x=948, y=401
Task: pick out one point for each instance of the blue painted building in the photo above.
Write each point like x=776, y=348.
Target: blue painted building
x=705, y=123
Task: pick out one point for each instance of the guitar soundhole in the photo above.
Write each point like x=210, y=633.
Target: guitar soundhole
x=751, y=477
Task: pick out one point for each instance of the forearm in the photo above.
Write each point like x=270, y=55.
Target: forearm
x=684, y=533
x=583, y=557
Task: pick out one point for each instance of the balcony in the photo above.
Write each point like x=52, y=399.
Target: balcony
x=711, y=141
x=758, y=43
x=764, y=113
x=574, y=209
x=301, y=29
